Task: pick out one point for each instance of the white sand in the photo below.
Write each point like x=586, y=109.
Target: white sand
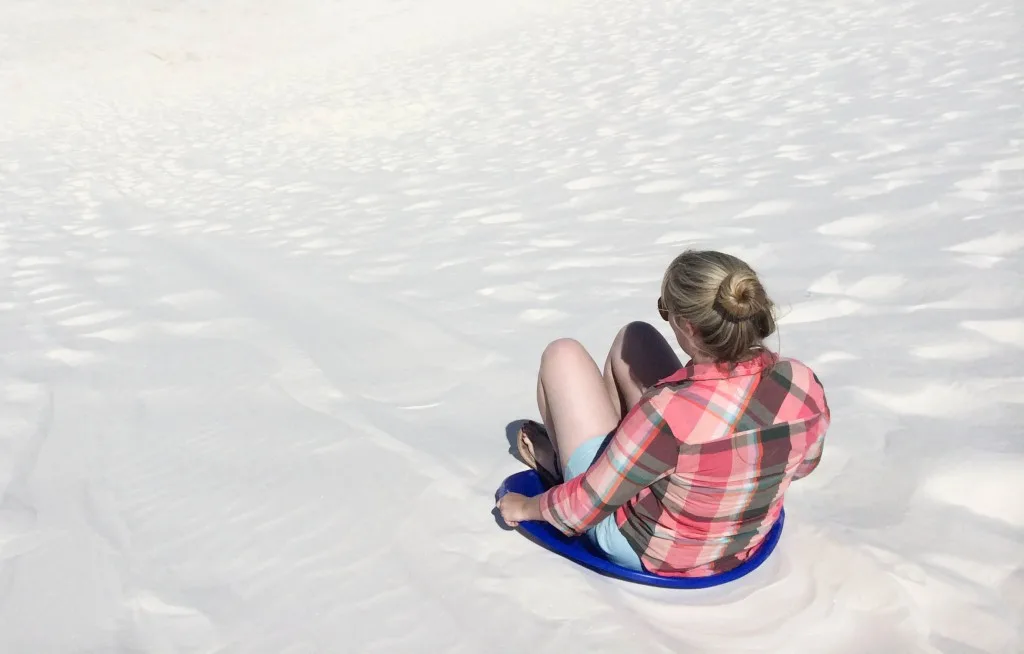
x=276, y=277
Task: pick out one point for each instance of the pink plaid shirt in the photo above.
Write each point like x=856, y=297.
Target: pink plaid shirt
x=696, y=472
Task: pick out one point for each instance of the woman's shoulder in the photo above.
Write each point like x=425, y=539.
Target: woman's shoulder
x=800, y=381
x=796, y=371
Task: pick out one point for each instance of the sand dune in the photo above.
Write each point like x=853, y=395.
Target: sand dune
x=276, y=278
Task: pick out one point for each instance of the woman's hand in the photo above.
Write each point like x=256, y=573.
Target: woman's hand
x=516, y=508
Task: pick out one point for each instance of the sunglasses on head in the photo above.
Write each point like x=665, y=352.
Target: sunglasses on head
x=662, y=309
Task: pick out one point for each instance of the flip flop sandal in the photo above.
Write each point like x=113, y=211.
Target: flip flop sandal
x=530, y=435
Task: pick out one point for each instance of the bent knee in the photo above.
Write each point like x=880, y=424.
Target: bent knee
x=638, y=329
x=561, y=349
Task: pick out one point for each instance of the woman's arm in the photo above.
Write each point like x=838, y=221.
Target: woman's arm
x=642, y=451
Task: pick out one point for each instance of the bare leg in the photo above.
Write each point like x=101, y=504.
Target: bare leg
x=639, y=357
x=572, y=399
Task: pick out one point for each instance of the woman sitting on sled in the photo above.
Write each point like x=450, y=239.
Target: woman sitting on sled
x=671, y=469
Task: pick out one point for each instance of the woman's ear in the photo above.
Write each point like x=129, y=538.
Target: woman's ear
x=683, y=326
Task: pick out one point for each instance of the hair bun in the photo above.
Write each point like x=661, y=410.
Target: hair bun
x=740, y=295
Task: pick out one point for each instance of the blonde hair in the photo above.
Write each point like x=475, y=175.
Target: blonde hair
x=724, y=300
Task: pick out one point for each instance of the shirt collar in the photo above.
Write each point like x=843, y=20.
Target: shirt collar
x=712, y=371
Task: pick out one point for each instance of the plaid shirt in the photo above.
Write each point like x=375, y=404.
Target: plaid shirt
x=696, y=472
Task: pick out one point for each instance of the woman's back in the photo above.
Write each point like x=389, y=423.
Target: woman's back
x=697, y=469
x=743, y=436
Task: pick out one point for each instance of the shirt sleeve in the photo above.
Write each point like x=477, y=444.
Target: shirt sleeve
x=642, y=451
x=811, y=459
x=823, y=415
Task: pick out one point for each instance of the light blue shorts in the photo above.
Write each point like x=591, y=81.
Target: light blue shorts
x=605, y=534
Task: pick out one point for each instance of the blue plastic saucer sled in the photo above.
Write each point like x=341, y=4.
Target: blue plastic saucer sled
x=579, y=550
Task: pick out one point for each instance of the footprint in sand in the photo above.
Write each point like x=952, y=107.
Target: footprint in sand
x=94, y=318
x=553, y=243
x=1007, y=332
x=660, y=186
x=109, y=264
x=524, y=292
x=769, y=208
x=871, y=287
x=110, y=280
x=853, y=226
x=977, y=188
x=426, y=205
x=818, y=310
x=1013, y=165
x=502, y=268
x=591, y=183
x=853, y=246
x=192, y=299
x=987, y=486
x=33, y=262
x=542, y=316
x=954, y=351
x=502, y=218
x=591, y=262
x=999, y=244
x=72, y=357
x=476, y=212
x=600, y=216
x=708, y=196
x=832, y=356
x=180, y=628
x=944, y=398
x=374, y=274
x=680, y=238
x=116, y=334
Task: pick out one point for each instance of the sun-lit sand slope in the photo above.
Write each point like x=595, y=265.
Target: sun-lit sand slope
x=276, y=277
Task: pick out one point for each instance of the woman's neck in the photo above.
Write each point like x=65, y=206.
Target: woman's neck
x=698, y=357
x=701, y=358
